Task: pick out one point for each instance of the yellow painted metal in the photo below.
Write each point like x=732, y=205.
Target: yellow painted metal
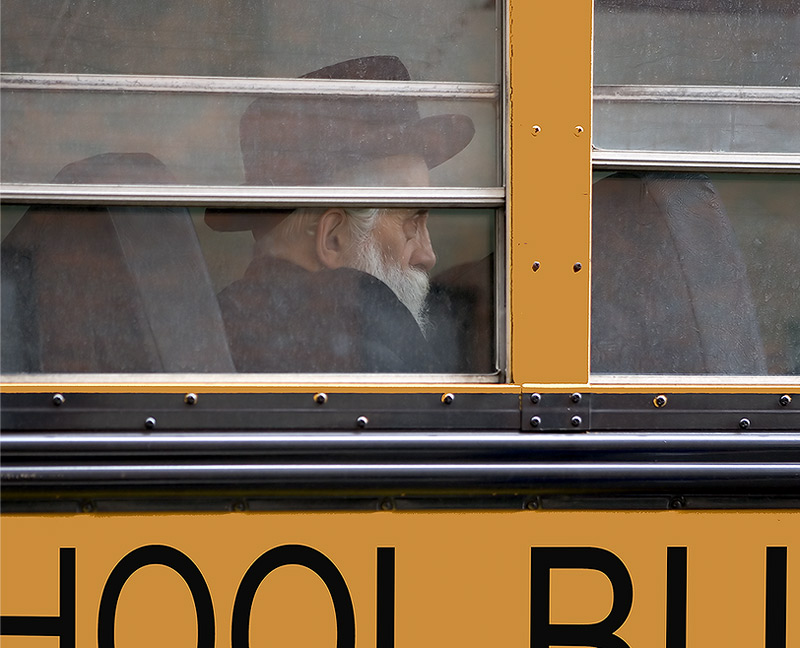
x=550, y=71
x=461, y=579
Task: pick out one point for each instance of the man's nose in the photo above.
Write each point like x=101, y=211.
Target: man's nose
x=423, y=255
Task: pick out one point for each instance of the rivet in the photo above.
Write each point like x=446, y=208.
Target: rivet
x=744, y=423
x=576, y=421
x=386, y=504
x=190, y=399
x=536, y=265
x=536, y=129
x=535, y=421
x=448, y=398
x=58, y=399
x=785, y=400
x=578, y=131
x=362, y=421
x=532, y=504
x=150, y=422
x=660, y=400
x=87, y=507
x=677, y=503
x=239, y=506
x=576, y=397
x=535, y=398
x=577, y=267
x=320, y=398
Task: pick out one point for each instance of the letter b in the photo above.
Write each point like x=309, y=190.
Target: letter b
x=601, y=634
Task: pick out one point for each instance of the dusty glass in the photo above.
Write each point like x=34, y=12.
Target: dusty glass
x=125, y=289
x=447, y=40
x=695, y=274
x=697, y=75
x=233, y=140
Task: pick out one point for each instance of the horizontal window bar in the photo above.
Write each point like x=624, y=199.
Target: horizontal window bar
x=697, y=94
x=665, y=382
x=248, y=86
x=192, y=195
x=695, y=161
x=156, y=381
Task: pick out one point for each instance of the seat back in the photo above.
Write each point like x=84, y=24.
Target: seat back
x=669, y=284
x=109, y=289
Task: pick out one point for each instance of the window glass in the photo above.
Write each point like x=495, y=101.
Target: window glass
x=697, y=75
x=125, y=289
x=446, y=40
x=232, y=140
x=697, y=42
x=695, y=274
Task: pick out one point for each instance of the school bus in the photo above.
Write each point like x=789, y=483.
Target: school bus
x=602, y=445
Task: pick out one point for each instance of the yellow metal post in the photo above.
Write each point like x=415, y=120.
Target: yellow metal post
x=550, y=48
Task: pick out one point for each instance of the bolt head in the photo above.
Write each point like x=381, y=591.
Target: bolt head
x=785, y=400
x=320, y=398
x=58, y=399
x=536, y=398
x=744, y=423
x=535, y=421
x=190, y=399
x=576, y=421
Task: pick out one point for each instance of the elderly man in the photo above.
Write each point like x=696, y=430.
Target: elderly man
x=337, y=289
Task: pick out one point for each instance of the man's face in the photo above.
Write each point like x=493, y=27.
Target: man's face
x=398, y=252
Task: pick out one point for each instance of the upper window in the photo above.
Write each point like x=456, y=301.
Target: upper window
x=261, y=187
x=697, y=75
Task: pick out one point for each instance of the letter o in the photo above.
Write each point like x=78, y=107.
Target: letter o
x=304, y=556
x=156, y=555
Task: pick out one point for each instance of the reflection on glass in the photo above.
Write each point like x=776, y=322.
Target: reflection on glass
x=208, y=139
x=695, y=274
x=697, y=75
x=133, y=289
x=150, y=289
x=697, y=42
x=447, y=40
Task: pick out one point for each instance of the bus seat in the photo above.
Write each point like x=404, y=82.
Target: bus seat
x=109, y=288
x=670, y=293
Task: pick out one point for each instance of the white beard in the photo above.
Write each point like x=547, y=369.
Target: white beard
x=411, y=286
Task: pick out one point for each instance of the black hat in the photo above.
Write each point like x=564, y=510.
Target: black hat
x=307, y=141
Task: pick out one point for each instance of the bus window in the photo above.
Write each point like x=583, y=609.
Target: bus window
x=267, y=188
x=450, y=40
x=125, y=289
x=694, y=255
x=700, y=75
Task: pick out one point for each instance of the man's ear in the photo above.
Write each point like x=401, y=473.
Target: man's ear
x=333, y=238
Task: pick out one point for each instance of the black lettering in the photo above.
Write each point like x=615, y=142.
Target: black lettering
x=676, y=597
x=384, y=622
x=61, y=626
x=156, y=555
x=775, y=620
x=597, y=635
x=305, y=556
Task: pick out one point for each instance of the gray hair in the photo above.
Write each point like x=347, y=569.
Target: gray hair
x=304, y=221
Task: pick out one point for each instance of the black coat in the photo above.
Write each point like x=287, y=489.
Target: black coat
x=281, y=318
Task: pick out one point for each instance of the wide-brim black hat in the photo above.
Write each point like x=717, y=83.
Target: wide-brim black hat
x=311, y=141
